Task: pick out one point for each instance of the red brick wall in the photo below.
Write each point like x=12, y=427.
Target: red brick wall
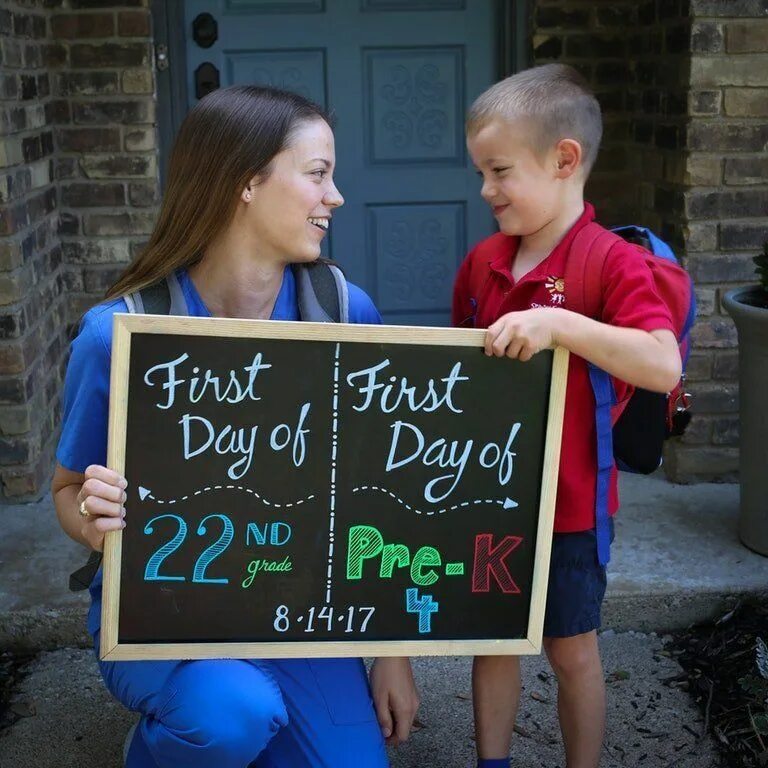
x=726, y=212
x=106, y=139
x=32, y=311
x=78, y=189
x=684, y=90
x=635, y=56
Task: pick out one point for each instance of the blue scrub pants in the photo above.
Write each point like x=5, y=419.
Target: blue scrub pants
x=228, y=713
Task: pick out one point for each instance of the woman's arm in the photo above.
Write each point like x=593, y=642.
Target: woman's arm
x=88, y=505
x=395, y=697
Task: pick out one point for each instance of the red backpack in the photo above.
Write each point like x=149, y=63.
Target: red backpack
x=643, y=422
x=632, y=433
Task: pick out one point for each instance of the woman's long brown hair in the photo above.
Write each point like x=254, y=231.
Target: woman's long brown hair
x=227, y=138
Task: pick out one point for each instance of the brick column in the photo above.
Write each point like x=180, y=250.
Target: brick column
x=106, y=140
x=636, y=58
x=726, y=208
x=684, y=90
x=78, y=190
x=32, y=312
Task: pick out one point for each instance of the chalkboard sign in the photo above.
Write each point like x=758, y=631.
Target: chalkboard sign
x=301, y=489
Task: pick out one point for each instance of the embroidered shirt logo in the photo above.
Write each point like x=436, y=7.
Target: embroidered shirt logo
x=556, y=288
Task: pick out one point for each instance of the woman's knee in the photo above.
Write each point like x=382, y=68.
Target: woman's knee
x=219, y=713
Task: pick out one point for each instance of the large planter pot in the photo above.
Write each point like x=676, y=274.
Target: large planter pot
x=748, y=308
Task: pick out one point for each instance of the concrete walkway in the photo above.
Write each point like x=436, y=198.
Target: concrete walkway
x=677, y=559
x=652, y=724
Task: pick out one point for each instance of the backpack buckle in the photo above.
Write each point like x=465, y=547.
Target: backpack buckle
x=679, y=411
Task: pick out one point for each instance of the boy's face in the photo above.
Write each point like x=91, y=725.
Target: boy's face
x=523, y=188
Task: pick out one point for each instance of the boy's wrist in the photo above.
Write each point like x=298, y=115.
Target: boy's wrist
x=558, y=322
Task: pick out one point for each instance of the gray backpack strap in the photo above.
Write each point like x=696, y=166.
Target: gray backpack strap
x=343, y=290
x=178, y=302
x=133, y=307
x=163, y=298
x=322, y=293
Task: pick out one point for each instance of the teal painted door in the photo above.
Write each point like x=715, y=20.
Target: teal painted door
x=399, y=76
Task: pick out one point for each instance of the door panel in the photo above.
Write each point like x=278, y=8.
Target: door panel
x=398, y=76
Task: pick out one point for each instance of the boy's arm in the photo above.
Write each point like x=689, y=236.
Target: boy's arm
x=647, y=359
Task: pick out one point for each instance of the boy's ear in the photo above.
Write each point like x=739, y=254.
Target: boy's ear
x=568, y=156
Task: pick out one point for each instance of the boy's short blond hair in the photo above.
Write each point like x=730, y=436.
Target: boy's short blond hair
x=554, y=98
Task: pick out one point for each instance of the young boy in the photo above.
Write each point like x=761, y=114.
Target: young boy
x=533, y=138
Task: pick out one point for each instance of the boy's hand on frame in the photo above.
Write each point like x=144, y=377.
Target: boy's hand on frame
x=520, y=335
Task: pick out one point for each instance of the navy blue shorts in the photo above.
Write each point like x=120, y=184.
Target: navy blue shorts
x=576, y=585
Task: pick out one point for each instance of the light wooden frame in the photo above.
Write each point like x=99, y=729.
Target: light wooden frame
x=125, y=325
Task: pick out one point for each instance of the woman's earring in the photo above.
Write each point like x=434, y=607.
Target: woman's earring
x=247, y=197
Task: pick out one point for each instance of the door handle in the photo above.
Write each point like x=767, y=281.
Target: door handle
x=206, y=79
x=205, y=30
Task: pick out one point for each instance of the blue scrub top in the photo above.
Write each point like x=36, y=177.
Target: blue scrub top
x=86, y=387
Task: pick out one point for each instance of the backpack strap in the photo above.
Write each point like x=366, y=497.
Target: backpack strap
x=584, y=291
x=165, y=297
x=644, y=237
x=81, y=578
x=602, y=387
x=322, y=292
x=584, y=269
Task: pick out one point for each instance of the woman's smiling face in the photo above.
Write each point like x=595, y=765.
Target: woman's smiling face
x=289, y=212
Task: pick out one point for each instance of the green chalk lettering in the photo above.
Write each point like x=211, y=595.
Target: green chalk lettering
x=253, y=566
x=365, y=542
x=425, y=556
x=393, y=555
x=266, y=566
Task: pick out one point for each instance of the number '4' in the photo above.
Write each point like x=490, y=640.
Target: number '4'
x=425, y=606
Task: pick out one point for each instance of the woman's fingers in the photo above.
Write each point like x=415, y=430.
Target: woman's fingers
x=384, y=716
x=99, y=489
x=94, y=528
x=100, y=501
x=106, y=475
x=99, y=507
x=104, y=524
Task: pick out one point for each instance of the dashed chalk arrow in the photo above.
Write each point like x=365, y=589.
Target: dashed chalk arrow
x=506, y=503
x=145, y=493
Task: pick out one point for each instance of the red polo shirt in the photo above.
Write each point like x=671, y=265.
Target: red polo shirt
x=630, y=300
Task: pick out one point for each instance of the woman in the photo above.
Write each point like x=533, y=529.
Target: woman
x=250, y=191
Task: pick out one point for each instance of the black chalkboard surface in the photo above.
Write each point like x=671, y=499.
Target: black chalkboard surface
x=300, y=489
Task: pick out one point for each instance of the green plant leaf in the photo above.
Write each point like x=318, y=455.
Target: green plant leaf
x=761, y=724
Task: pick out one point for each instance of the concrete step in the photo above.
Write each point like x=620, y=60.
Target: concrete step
x=676, y=560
